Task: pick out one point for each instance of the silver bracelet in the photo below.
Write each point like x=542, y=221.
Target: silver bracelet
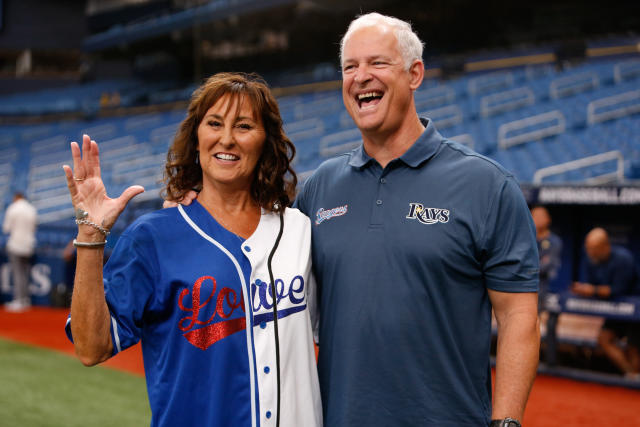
x=88, y=244
x=81, y=218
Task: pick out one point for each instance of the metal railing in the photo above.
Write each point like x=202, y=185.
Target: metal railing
x=617, y=175
x=340, y=142
x=485, y=83
x=570, y=85
x=626, y=70
x=629, y=103
x=433, y=97
x=506, y=101
x=506, y=141
x=444, y=117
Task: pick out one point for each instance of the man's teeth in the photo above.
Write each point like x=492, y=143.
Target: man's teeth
x=223, y=156
x=369, y=95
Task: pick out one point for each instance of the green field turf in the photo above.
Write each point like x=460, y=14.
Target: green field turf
x=40, y=387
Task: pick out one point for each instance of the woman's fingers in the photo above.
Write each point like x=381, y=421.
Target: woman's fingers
x=118, y=205
x=71, y=184
x=129, y=194
x=87, y=156
x=76, y=155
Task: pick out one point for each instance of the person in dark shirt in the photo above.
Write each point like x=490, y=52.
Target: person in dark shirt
x=550, y=250
x=608, y=272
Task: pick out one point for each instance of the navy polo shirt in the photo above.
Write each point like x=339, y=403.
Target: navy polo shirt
x=403, y=257
x=619, y=272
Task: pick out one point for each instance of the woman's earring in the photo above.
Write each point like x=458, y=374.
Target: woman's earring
x=197, y=158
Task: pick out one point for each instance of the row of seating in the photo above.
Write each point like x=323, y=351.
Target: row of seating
x=527, y=119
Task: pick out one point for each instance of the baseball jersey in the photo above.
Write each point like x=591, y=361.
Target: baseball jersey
x=198, y=298
x=403, y=257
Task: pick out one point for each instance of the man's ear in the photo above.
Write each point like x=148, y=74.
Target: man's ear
x=416, y=74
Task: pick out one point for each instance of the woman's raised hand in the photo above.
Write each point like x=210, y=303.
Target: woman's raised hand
x=87, y=189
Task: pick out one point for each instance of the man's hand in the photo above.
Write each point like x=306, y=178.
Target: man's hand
x=583, y=289
x=186, y=200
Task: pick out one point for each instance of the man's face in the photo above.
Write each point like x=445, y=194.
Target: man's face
x=599, y=252
x=376, y=89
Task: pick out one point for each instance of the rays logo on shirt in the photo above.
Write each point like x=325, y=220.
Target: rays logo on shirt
x=427, y=215
x=323, y=215
x=216, y=312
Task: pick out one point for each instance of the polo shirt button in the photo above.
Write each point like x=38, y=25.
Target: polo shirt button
x=263, y=325
x=268, y=414
x=267, y=370
x=247, y=248
x=378, y=202
x=383, y=180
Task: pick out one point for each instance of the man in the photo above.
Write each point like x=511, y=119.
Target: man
x=610, y=271
x=20, y=221
x=415, y=239
x=550, y=250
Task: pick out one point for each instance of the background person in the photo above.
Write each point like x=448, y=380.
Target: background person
x=610, y=271
x=549, y=249
x=20, y=221
x=195, y=284
x=415, y=239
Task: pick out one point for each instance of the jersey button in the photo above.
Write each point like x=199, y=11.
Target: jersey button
x=268, y=414
x=263, y=325
x=267, y=370
x=247, y=248
x=378, y=202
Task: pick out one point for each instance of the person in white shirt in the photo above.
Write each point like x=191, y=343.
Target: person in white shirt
x=20, y=222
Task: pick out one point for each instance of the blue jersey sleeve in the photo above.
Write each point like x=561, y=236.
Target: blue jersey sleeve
x=510, y=261
x=129, y=278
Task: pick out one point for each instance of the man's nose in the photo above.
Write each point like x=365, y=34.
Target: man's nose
x=362, y=74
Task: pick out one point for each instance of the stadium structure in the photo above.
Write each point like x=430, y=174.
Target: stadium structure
x=550, y=90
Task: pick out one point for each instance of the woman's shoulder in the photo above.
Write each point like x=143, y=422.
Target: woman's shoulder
x=294, y=214
x=152, y=222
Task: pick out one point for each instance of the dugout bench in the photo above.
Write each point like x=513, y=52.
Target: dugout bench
x=622, y=308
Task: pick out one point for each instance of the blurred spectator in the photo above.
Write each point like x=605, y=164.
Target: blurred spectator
x=550, y=250
x=105, y=100
x=610, y=271
x=20, y=222
x=61, y=294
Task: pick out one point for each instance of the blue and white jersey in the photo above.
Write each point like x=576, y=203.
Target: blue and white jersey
x=187, y=288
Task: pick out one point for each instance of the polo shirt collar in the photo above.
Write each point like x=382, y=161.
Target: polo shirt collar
x=422, y=150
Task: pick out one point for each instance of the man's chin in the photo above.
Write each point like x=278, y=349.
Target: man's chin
x=367, y=122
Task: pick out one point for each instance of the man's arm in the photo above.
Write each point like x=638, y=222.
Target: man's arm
x=517, y=353
x=6, y=225
x=589, y=290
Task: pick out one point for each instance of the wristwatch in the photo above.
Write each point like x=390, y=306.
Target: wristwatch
x=506, y=422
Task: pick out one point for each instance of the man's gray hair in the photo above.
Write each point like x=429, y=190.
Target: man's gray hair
x=409, y=45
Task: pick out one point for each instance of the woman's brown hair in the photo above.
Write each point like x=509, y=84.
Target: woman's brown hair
x=274, y=182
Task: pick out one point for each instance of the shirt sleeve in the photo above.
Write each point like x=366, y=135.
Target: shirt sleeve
x=510, y=261
x=129, y=279
x=129, y=276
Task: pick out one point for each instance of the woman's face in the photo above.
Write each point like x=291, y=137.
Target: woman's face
x=230, y=141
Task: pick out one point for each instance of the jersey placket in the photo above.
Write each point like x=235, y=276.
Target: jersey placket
x=378, y=205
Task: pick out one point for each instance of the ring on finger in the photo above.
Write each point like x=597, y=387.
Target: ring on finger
x=78, y=179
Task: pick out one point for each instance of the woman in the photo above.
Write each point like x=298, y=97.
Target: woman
x=195, y=283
